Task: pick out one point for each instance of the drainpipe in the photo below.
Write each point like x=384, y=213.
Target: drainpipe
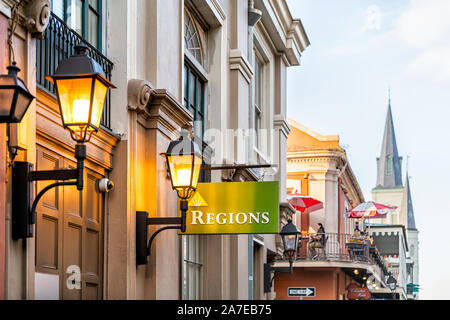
x=253, y=17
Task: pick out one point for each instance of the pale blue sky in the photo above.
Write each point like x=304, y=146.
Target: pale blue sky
x=341, y=88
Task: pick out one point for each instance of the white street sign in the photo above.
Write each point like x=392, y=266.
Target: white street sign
x=302, y=292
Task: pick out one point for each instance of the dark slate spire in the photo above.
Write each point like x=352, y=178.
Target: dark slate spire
x=411, y=219
x=389, y=163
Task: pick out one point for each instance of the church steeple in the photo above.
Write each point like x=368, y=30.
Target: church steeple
x=410, y=209
x=389, y=162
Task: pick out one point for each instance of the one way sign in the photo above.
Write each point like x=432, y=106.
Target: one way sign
x=302, y=292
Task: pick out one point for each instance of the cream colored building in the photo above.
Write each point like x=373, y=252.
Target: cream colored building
x=204, y=65
x=318, y=166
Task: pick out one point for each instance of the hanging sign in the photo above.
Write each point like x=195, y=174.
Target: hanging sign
x=234, y=208
x=355, y=292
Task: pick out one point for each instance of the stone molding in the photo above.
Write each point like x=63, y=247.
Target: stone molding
x=239, y=62
x=281, y=122
x=211, y=11
x=324, y=161
x=157, y=108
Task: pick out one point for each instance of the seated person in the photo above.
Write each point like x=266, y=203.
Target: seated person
x=357, y=234
x=317, y=241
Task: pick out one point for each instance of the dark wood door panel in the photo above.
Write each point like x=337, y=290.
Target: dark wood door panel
x=48, y=218
x=69, y=237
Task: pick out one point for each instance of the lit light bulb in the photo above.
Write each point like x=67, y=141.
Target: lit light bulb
x=184, y=177
x=81, y=111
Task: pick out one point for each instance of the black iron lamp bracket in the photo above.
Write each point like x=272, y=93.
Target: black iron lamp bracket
x=23, y=212
x=268, y=279
x=143, y=248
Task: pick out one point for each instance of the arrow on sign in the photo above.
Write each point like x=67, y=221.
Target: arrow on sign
x=302, y=292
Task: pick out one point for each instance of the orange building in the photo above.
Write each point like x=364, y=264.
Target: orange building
x=318, y=166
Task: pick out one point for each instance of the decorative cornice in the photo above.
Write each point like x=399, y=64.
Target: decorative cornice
x=287, y=34
x=239, y=62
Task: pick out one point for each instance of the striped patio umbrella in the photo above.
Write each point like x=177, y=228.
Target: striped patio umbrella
x=302, y=203
x=370, y=210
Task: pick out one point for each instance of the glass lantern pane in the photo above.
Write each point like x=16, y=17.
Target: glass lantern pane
x=6, y=96
x=290, y=242
x=180, y=169
x=75, y=97
x=21, y=106
x=7, y=81
x=197, y=166
x=98, y=103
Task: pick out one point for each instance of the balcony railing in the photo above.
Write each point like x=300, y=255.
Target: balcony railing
x=58, y=44
x=339, y=247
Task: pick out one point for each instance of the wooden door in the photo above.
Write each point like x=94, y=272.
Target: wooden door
x=69, y=235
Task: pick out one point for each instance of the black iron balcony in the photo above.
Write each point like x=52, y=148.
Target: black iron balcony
x=58, y=44
x=338, y=247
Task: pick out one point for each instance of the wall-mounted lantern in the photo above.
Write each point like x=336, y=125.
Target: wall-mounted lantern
x=391, y=282
x=15, y=98
x=290, y=236
x=81, y=89
x=184, y=159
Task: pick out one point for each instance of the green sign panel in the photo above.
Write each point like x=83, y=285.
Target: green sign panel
x=234, y=208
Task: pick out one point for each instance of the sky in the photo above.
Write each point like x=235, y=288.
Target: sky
x=359, y=49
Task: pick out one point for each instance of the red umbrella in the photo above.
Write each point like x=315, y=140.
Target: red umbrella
x=371, y=210
x=301, y=202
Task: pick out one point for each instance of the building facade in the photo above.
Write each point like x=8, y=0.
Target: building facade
x=218, y=69
x=318, y=166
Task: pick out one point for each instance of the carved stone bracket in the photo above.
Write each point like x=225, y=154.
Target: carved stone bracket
x=157, y=108
x=37, y=17
x=138, y=94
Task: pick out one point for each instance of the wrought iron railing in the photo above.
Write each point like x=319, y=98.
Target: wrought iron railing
x=338, y=247
x=58, y=44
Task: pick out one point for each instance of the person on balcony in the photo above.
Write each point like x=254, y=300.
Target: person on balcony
x=357, y=234
x=317, y=241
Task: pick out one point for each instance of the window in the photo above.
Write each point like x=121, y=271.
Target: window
x=194, y=37
x=195, y=76
x=389, y=164
x=83, y=16
x=194, y=92
x=258, y=101
x=192, y=278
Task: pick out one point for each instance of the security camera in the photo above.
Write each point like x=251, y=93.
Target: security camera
x=105, y=185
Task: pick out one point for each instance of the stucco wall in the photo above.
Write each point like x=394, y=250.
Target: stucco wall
x=330, y=283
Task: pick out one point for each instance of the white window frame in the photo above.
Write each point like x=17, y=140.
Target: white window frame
x=263, y=153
